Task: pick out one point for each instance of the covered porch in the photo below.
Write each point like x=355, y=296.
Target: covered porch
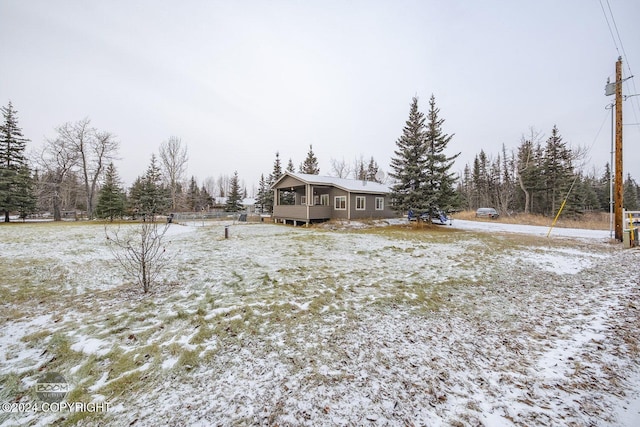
x=297, y=202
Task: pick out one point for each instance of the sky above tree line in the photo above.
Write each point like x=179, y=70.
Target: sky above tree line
x=240, y=81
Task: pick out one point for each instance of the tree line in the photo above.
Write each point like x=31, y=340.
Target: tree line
x=537, y=177
x=74, y=171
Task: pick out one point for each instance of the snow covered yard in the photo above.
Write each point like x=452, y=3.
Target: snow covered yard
x=291, y=326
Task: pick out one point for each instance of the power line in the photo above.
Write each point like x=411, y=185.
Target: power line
x=634, y=107
x=606, y=18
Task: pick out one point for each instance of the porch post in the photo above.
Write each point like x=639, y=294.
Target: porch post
x=307, y=192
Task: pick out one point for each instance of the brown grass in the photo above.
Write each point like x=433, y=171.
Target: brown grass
x=590, y=221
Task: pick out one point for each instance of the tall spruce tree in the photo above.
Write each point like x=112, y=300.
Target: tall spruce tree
x=273, y=177
x=194, y=201
x=16, y=182
x=310, y=164
x=148, y=196
x=372, y=171
x=603, y=189
x=262, y=196
x=439, y=189
x=111, y=197
x=557, y=171
x=408, y=163
x=234, y=199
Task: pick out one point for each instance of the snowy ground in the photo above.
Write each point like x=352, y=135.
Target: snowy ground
x=338, y=325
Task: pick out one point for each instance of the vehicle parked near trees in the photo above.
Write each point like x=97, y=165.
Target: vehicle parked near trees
x=487, y=213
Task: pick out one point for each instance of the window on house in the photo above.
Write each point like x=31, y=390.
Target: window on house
x=379, y=203
x=303, y=200
x=361, y=203
x=316, y=200
x=340, y=203
x=324, y=199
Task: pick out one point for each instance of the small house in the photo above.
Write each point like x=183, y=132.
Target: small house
x=304, y=198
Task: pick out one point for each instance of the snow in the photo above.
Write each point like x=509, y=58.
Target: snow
x=92, y=346
x=534, y=230
x=349, y=323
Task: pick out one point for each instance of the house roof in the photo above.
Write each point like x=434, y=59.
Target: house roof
x=351, y=185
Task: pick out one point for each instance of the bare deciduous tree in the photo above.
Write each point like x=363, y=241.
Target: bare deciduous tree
x=359, y=168
x=210, y=185
x=58, y=159
x=140, y=251
x=525, y=162
x=173, y=156
x=340, y=168
x=95, y=150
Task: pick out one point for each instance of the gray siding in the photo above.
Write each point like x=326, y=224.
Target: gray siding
x=370, y=207
x=317, y=211
x=288, y=182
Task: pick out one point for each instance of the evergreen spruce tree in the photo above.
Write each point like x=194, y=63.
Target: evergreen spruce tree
x=262, y=196
x=148, y=196
x=194, y=202
x=583, y=196
x=603, y=189
x=372, y=171
x=290, y=167
x=361, y=172
x=420, y=167
x=557, y=171
x=630, y=194
x=17, y=191
x=439, y=189
x=310, y=164
x=529, y=173
x=273, y=177
x=111, y=197
x=234, y=199
x=205, y=198
x=133, y=205
x=16, y=182
x=408, y=163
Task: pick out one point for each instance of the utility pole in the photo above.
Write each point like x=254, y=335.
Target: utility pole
x=617, y=195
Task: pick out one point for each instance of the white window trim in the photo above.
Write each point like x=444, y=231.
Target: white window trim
x=379, y=203
x=336, y=204
x=303, y=200
x=324, y=198
x=364, y=203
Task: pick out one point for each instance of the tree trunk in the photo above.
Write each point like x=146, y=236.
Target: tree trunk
x=526, y=194
x=6, y=216
x=57, y=215
x=56, y=200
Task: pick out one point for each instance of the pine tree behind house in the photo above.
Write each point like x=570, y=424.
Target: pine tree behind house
x=310, y=164
x=234, y=198
x=273, y=177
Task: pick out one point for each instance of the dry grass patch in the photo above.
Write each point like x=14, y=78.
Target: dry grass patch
x=590, y=221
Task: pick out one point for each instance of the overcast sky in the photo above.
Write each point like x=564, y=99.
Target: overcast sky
x=238, y=81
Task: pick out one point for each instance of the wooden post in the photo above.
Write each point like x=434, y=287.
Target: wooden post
x=617, y=195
